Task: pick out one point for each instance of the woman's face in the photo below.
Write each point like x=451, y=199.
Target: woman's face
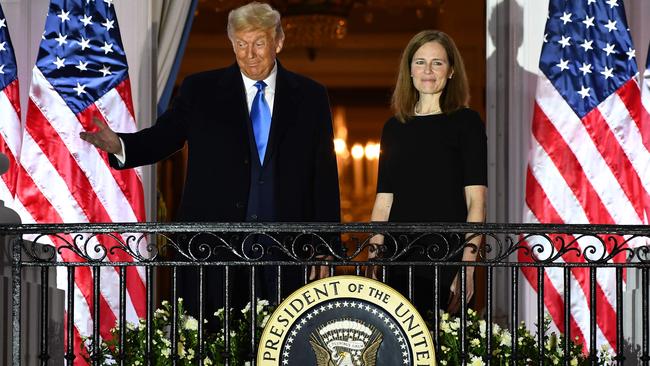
x=430, y=68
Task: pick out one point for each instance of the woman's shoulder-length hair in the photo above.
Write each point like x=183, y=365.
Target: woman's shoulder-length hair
x=456, y=93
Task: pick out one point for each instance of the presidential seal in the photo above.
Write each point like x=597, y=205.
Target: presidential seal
x=346, y=321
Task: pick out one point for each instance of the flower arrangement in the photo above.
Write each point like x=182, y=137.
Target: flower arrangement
x=527, y=349
x=136, y=338
x=240, y=345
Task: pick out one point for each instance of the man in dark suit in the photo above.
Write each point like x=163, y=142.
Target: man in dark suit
x=260, y=140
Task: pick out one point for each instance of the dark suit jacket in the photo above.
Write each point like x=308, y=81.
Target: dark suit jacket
x=211, y=116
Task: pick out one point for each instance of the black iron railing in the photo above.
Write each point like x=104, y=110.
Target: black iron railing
x=340, y=247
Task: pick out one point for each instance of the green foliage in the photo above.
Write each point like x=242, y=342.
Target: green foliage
x=241, y=352
x=527, y=346
x=187, y=348
x=240, y=342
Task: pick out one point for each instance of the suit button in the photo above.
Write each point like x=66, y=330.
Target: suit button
x=239, y=205
x=261, y=181
x=253, y=217
x=245, y=161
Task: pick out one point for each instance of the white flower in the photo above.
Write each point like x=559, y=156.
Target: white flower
x=207, y=361
x=482, y=327
x=444, y=326
x=190, y=354
x=191, y=323
x=219, y=312
x=455, y=324
x=166, y=352
x=265, y=320
x=476, y=361
x=161, y=312
x=246, y=308
x=260, y=305
x=506, y=339
x=475, y=342
x=443, y=362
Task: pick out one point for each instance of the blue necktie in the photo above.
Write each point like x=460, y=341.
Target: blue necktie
x=261, y=118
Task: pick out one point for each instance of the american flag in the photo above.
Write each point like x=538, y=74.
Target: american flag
x=10, y=129
x=590, y=144
x=81, y=73
x=646, y=84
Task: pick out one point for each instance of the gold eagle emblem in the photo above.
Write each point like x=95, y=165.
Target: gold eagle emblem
x=346, y=342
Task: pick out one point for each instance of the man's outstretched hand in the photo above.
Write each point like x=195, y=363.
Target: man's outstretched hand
x=104, y=139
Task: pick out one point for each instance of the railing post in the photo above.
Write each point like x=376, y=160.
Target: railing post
x=69, y=354
x=514, y=312
x=540, y=315
x=567, y=316
x=488, y=315
x=149, y=317
x=122, y=318
x=16, y=279
x=44, y=305
x=593, y=351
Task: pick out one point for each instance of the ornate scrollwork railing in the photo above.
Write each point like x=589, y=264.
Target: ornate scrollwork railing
x=199, y=242
x=153, y=245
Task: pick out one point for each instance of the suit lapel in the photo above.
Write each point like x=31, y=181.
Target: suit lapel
x=287, y=96
x=232, y=97
x=231, y=90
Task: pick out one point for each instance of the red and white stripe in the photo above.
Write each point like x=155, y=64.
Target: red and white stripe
x=10, y=139
x=594, y=170
x=62, y=179
x=645, y=94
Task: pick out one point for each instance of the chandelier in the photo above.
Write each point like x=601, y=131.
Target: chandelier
x=316, y=23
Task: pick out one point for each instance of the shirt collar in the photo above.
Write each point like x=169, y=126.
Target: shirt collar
x=270, y=80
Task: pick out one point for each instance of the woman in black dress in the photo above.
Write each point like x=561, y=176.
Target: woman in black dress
x=432, y=167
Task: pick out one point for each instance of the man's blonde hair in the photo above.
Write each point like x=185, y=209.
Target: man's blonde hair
x=254, y=16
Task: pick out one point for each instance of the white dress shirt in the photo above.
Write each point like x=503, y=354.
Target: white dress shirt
x=269, y=91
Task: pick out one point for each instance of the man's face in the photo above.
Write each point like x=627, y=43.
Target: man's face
x=255, y=51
